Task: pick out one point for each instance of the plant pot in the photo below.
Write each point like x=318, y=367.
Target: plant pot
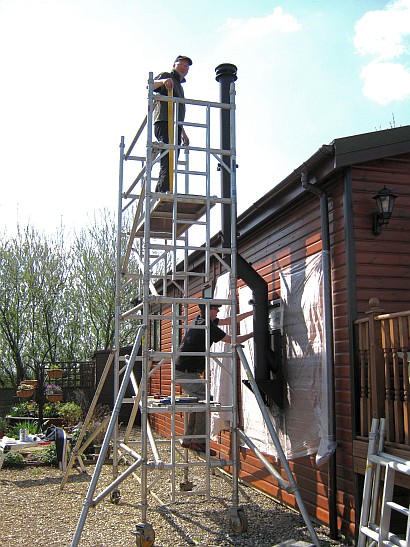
x=25, y=393
x=55, y=373
x=55, y=397
x=31, y=382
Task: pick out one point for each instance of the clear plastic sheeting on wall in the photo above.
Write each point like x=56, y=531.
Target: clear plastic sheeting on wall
x=302, y=425
x=221, y=379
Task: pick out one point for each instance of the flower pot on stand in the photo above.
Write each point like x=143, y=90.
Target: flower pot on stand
x=55, y=373
x=31, y=382
x=55, y=397
x=25, y=393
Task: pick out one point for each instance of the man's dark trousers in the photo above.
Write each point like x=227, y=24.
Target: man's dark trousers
x=161, y=134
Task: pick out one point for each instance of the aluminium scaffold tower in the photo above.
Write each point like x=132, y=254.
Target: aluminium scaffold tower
x=159, y=235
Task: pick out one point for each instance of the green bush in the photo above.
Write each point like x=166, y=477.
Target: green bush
x=13, y=459
x=51, y=410
x=27, y=409
x=71, y=413
x=49, y=455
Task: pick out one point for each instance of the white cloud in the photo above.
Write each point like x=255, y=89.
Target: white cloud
x=256, y=27
x=383, y=34
x=385, y=82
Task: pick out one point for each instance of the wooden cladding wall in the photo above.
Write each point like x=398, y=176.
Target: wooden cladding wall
x=382, y=272
x=283, y=242
x=382, y=261
x=287, y=240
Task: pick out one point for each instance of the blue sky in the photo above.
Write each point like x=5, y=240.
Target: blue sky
x=74, y=76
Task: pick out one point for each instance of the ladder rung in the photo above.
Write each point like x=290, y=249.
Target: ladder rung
x=137, y=158
x=193, y=124
x=185, y=172
x=182, y=275
x=396, y=507
x=394, y=541
x=398, y=464
x=369, y=532
x=190, y=221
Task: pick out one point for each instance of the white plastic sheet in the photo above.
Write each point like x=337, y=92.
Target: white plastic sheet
x=221, y=379
x=302, y=426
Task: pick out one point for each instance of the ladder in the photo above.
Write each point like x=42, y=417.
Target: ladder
x=375, y=521
x=158, y=233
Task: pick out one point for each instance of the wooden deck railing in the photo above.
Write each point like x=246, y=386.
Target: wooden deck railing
x=383, y=340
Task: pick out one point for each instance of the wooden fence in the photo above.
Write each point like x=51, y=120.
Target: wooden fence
x=78, y=374
x=383, y=340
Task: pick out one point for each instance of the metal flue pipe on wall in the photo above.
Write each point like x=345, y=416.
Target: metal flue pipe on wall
x=264, y=357
x=225, y=75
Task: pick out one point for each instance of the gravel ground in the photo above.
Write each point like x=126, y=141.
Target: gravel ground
x=35, y=511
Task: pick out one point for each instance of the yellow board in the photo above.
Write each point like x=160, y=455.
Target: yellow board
x=171, y=141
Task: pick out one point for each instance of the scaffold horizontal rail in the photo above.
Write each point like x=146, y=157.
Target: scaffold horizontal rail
x=162, y=299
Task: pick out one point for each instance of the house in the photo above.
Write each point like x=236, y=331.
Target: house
x=324, y=211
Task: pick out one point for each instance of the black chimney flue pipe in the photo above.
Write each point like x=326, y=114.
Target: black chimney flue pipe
x=225, y=75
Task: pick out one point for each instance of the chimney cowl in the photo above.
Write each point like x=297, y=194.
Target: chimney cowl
x=226, y=69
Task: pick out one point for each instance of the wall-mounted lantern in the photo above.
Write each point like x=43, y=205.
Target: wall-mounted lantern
x=385, y=202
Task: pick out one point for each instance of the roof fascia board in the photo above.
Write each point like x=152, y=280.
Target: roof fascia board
x=371, y=146
x=322, y=166
x=370, y=154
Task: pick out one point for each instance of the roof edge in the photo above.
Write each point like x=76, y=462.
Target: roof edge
x=327, y=160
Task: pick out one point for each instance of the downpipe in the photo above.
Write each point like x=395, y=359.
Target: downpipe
x=328, y=341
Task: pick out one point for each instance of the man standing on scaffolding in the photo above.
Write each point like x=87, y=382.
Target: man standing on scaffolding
x=163, y=83
x=190, y=367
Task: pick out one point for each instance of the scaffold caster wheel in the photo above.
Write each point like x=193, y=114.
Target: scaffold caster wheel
x=238, y=520
x=186, y=486
x=144, y=535
x=115, y=497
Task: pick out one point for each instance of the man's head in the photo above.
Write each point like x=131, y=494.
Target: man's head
x=213, y=310
x=181, y=65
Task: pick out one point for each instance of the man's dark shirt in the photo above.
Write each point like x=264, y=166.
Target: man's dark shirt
x=194, y=340
x=161, y=107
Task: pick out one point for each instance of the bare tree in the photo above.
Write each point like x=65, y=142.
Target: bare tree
x=95, y=273
x=57, y=298
x=14, y=308
x=32, y=286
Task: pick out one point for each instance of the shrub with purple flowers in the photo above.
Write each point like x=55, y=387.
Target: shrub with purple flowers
x=53, y=389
